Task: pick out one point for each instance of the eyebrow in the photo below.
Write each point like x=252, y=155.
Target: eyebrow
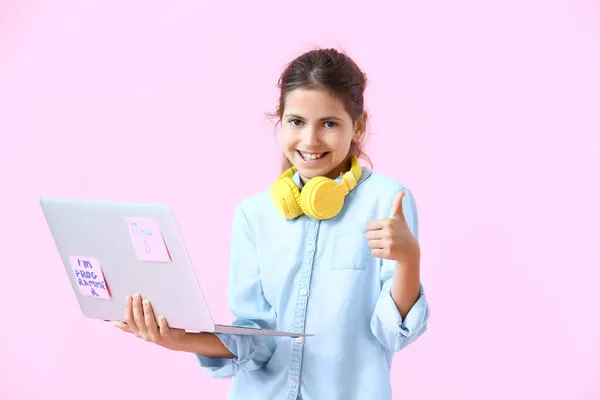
x=320, y=119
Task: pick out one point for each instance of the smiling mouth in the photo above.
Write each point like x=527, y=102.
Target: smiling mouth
x=307, y=156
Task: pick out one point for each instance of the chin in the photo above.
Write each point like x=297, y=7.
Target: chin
x=309, y=173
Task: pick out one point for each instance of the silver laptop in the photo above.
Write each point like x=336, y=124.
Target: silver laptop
x=111, y=250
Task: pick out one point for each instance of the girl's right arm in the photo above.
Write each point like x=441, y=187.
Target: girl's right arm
x=205, y=345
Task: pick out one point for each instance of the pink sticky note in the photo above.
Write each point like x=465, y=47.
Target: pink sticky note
x=89, y=277
x=147, y=240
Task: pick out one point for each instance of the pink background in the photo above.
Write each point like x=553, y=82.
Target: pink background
x=488, y=110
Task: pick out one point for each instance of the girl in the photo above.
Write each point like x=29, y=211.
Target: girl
x=330, y=249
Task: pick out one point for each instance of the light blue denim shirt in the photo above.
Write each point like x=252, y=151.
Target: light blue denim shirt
x=317, y=277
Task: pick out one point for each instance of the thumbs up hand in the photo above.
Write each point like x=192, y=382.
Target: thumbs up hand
x=391, y=238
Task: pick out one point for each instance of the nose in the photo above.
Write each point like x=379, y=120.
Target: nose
x=310, y=137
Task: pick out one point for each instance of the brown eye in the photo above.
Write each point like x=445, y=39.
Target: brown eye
x=330, y=124
x=295, y=122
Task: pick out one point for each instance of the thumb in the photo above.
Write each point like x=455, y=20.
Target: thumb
x=397, y=205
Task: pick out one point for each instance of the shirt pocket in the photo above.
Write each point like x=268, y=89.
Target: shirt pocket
x=351, y=251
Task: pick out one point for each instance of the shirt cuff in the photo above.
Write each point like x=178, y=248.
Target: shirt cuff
x=391, y=329
x=250, y=353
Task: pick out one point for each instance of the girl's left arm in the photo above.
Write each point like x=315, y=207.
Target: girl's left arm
x=402, y=311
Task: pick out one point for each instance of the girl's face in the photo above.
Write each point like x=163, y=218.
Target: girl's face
x=316, y=133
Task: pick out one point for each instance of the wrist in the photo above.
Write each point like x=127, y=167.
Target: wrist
x=185, y=343
x=407, y=276
x=204, y=344
x=191, y=342
x=410, y=260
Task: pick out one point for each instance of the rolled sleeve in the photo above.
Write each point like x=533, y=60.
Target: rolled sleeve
x=251, y=353
x=388, y=326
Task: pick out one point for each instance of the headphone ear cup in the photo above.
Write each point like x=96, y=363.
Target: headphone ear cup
x=322, y=198
x=286, y=198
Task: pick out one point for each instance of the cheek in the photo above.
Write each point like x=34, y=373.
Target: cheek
x=287, y=138
x=341, y=143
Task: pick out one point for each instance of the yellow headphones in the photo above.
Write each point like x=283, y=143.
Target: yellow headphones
x=321, y=197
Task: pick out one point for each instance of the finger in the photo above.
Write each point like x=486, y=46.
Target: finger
x=150, y=321
x=381, y=253
x=376, y=234
x=122, y=326
x=397, y=205
x=377, y=224
x=163, y=326
x=138, y=316
x=129, y=319
x=377, y=243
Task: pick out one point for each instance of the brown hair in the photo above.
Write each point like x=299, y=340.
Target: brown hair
x=336, y=72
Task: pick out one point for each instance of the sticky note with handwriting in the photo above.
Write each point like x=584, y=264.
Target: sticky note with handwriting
x=89, y=277
x=147, y=239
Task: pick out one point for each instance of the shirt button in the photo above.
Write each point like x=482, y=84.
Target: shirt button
x=310, y=248
x=303, y=292
x=300, y=340
x=293, y=383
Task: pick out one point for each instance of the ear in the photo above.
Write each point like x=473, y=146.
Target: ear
x=360, y=127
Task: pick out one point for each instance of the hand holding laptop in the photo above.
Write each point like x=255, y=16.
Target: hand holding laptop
x=141, y=321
